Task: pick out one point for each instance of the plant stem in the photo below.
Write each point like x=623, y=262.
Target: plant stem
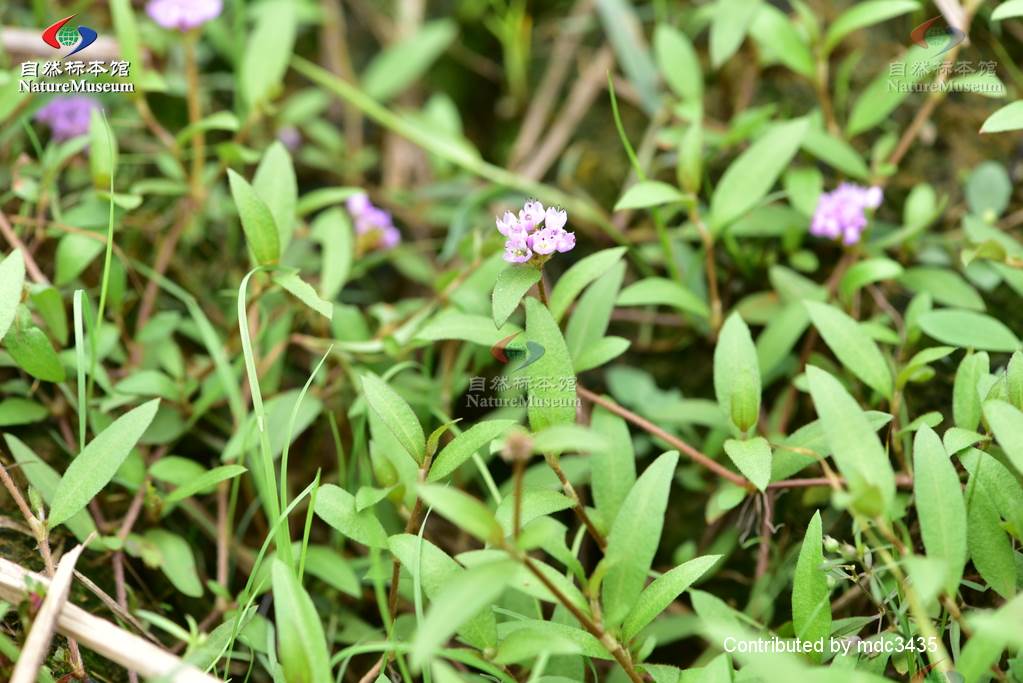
x=580, y=509
x=194, y=116
x=710, y=266
x=612, y=645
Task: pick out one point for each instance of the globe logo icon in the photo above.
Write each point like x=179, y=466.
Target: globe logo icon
x=67, y=36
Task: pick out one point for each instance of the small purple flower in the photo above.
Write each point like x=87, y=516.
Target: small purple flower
x=544, y=241
x=555, y=219
x=566, y=241
x=290, y=137
x=841, y=213
x=373, y=225
x=517, y=251
x=532, y=212
x=508, y=224
x=67, y=117
x=183, y=15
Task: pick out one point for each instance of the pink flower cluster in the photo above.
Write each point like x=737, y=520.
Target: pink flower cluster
x=526, y=238
x=841, y=213
x=373, y=225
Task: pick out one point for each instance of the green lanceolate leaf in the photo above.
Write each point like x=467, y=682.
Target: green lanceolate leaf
x=854, y=347
x=581, y=273
x=12, y=279
x=301, y=643
x=269, y=46
x=650, y=193
x=634, y=537
x=336, y=507
x=811, y=606
x=462, y=510
x=664, y=292
x=97, y=464
x=854, y=444
x=1006, y=422
x=737, y=374
x=1009, y=117
x=728, y=27
x=656, y=597
x=969, y=329
x=751, y=176
x=34, y=353
x=865, y=14
x=257, y=221
x=512, y=284
x=614, y=468
x=464, y=596
x=989, y=545
x=397, y=67
x=176, y=561
x=753, y=458
x=966, y=401
x=552, y=397
x=465, y=444
x=939, y=504
x=396, y=414
x=678, y=62
x=276, y=185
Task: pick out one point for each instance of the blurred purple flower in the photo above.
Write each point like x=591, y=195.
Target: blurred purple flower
x=373, y=225
x=67, y=117
x=290, y=137
x=183, y=15
x=841, y=213
x=526, y=237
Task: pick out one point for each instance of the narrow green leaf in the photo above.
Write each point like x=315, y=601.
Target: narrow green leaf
x=464, y=596
x=97, y=464
x=301, y=643
x=854, y=444
x=257, y=221
x=1006, y=423
x=592, y=314
x=811, y=606
x=663, y=292
x=865, y=14
x=634, y=537
x=552, y=396
x=396, y=414
x=1009, y=117
x=945, y=287
x=737, y=374
x=102, y=151
x=33, y=353
x=966, y=400
x=968, y=329
x=465, y=444
x=749, y=178
x=678, y=62
x=777, y=36
x=398, y=66
x=333, y=231
x=867, y=272
x=203, y=482
x=939, y=504
x=512, y=284
x=753, y=458
x=728, y=27
x=463, y=510
x=176, y=561
x=12, y=280
x=267, y=51
x=663, y=591
x=336, y=507
x=276, y=185
x=291, y=281
x=649, y=193
x=853, y=346
x=1008, y=10
x=580, y=274
x=989, y=545
x=613, y=471
x=45, y=479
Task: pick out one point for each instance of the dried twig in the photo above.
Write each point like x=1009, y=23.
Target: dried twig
x=102, y=636
x=37, y=644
